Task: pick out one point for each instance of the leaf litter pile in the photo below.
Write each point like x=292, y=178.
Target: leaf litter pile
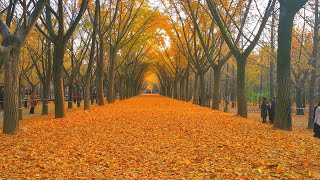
x=159, y=138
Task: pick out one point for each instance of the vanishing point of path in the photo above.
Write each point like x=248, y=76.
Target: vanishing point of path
x=153, y=137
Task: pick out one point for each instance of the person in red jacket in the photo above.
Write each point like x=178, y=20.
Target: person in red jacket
x=75, y=95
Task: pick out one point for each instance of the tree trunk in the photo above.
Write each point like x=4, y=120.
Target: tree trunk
x=226, y=93
x=299, y=102
x=111, y=92
x=216, y=87
x=11, y=91
x=261, y=80
x=47, y=81
x=195, y=89
x=121, y=93
x=125, y=86
x=20, y=99
x=128, y=89
x=272, y=62
x=202, y=95
x=304, y=99
x=313, y=86
x=46, y=94
x=163, y=90
x=241, y=87
x=70, y=96
x=182, y=89
x=233, y=89
x=87, y=84
x=87, y=90
x=175, y=90
x=283, y=108
x=100, y=73
x=79, y=96
x=133, y=91
x=58, y=80
x=169, y=91
x=187, y=83
x=105, y=88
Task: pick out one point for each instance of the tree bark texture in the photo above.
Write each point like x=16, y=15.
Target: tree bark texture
x=283, y=108
x=241, y=87
x=58, y=56
x=216, y=88
x=11, y=92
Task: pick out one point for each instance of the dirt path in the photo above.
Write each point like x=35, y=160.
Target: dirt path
x=154, y=137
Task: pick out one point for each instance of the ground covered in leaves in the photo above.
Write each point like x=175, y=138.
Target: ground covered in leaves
x=153, y=137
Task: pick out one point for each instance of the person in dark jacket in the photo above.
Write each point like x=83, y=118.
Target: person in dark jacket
x=264, y=110
x=316, y=120
x=272, y=110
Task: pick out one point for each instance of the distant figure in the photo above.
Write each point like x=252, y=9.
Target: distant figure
x=74, y=97
x=92, y=99
x=79, y=99
x=317, y=121
x=33, y=101
x=1, y=99
x=264, y=110
x=272, y=110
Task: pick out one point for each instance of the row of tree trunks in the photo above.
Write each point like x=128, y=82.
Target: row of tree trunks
x=199, y=90
x=240, y=56
x=59, y=36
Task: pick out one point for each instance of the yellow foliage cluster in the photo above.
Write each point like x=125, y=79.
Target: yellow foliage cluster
x=153, y=137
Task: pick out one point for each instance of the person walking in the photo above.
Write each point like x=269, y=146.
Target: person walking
x=272, y=110
x=264, y=110
x=33, y=101
x=316, y=117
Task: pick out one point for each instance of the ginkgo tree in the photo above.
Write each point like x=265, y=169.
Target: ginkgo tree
x=240, y=53
x=14, y=29
x=59, y=35
x=288, y=11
